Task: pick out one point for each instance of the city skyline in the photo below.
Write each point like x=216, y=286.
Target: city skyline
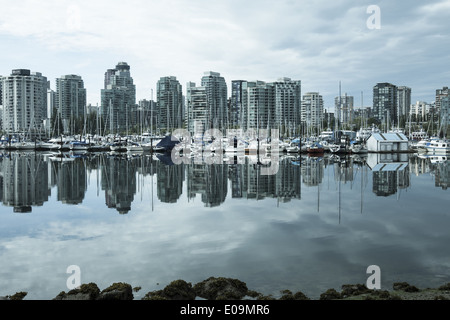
x=320, y=44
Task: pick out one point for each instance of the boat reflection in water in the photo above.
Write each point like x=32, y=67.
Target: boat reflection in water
x=28, y=179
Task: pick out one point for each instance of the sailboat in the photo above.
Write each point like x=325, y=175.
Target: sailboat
x=339, y=146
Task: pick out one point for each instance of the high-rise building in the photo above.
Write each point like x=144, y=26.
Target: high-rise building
x=216, y=93
x=445, y=113
x=197, y=109
x=147, y=116
x=169, y=104
x=1, y=92
x=236, y=112
x=312, y=111
x=440, y=93
x=420, y=110
x=385, y=102
x=287, y=104
x=344, y=109
x=1, y=103
x=118, y=99
x=24, y=101
x=260, y=106
x=51, y=105
x=70, y=99
x=403, y=100
x=267, y=105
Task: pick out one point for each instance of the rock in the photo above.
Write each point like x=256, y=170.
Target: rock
x=117, y=291
x=221, y=289
x=18, y=296
x=445, y=287
x=381, y=294
x=288, y=295
x=404, y=286
x=176, y=290
x=179, y=290
x=84, y=292
x=330, y=294
x=349, y=290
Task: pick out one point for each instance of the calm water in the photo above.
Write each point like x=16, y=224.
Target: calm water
x=317, y=224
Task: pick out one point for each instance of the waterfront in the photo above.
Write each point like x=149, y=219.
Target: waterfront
x=317, y=224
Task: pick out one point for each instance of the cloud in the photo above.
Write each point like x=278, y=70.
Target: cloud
x=319, y=43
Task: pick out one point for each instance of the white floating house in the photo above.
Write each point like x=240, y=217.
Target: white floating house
x=388, y=142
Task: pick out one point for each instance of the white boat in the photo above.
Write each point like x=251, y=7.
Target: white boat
x=118, y=146
x=418, y=135
x=435, y=158
x=139, y=147
x=62, y=157
x=339, y=148
x=293, y=147
x=98, y=147
x=79, y=146
x=254, y=147
x=63, y=142
x=334, y=148
x=363, y=134
x=438, y=147
x=50, y=146
x=237, y=146
x=421, y=145
x=25, y=145
x=358, y=148
x=325, y=144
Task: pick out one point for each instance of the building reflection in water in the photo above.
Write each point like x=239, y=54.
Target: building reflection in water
x=170, y=179
x=24, y=181
x=119, y=182
x=439, y=166
x=27, y=179
x=390, y=172
x=71, y=179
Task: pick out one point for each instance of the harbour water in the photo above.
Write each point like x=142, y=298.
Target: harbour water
x=318, y=223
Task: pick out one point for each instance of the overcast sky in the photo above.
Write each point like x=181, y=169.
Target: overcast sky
x=319, y=43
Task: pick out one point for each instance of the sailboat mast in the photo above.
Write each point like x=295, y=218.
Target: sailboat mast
x=151, y=113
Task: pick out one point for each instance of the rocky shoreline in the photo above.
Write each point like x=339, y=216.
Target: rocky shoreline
x=220, y=288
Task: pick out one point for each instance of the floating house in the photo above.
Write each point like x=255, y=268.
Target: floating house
x=388, y=142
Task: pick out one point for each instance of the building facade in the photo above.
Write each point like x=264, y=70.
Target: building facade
x=147, y=116
x=445, y=114
x=236, y=110
x=420, y=111
x=51, y=109
x=118, y=99
x=260, y=108
x=197, y=109
x=287, y=104
x=404, y=101
x=24, y=101
x=385, y=102
x=169, y=104
x=440, y=94
x=266, y=105
x=344, y=107
x=70, y=99
x=312, y=112
x=217, y=98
